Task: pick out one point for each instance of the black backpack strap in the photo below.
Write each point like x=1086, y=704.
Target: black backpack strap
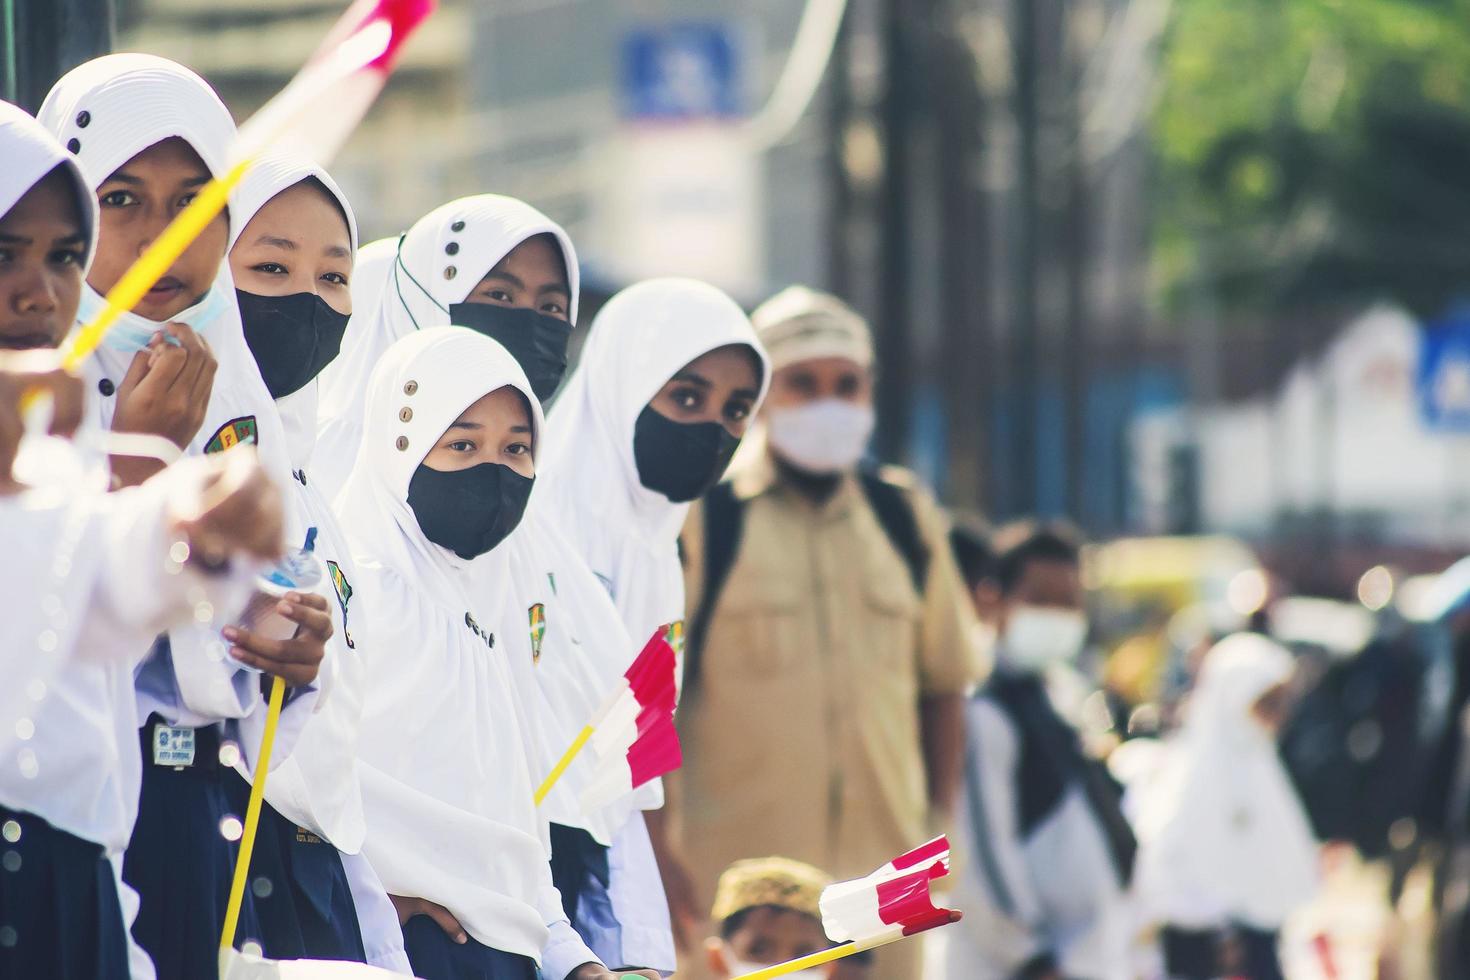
x=724, y=515
x=896, y=516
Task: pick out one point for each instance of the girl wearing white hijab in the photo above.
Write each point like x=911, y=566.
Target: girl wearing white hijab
x=450, y=430
x=1224, y=841
x=147, y=133
x=88, y=586
x=490, y=263
x=292, y=260
x=664, y=391
x=667, y=384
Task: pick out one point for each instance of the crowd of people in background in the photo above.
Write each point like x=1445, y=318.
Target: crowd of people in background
x=859, y=670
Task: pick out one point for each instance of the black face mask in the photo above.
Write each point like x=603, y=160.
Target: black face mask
x=538, y=342
x=292, y=337
x=680, y=461
x=468, y=511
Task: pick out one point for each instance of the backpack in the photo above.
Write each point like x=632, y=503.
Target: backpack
x=724, y=517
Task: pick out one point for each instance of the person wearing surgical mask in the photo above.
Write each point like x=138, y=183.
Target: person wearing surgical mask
x=1049, y=853
x=768, y=911
x=824, y=610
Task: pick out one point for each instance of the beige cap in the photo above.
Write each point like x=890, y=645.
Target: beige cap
x=801, y=324
x=775, y=881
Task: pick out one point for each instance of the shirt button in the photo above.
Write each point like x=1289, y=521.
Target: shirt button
x=83, y=118
x=106, y=387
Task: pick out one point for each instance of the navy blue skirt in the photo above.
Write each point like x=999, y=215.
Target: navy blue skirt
x=301, y=895
x=181, y=865
x=59, y=913
x=435, y=956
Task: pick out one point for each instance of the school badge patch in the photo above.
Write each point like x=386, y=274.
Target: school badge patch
x=675, y=635
x=235, y=432
x=538, y=630
x=344, y=593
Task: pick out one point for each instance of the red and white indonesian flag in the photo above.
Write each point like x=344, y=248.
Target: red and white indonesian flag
x=319, y=108
x=633, y=738
x=892, y=902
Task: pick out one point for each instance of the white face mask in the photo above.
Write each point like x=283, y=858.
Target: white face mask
x=130, y=333
x=1038, y=636
x=826, y=436
x=739, y=968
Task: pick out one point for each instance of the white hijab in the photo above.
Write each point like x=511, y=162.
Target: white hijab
x=627, y=533
x=106, y=112
x=59, y=529
x=109, y=110
x=317, y=785
x=267, y=177
x=1223, y=835
x=445, y=769
x=30, y=153
x=438, y=263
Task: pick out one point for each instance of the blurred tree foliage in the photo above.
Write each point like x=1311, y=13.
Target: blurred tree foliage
x=1314, y=151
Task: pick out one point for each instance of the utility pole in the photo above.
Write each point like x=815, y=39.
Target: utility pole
x=1024, y=392
x=44, y=39
x=1075, y=352
x=965, y=370
x=839, y=186
x=899, y=108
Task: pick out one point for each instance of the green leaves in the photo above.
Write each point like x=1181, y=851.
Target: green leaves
x=1311, y=149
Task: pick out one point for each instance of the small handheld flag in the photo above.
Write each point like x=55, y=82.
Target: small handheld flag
x=888, y=905
x=632, y=733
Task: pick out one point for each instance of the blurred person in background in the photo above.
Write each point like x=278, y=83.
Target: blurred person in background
x=1227, y=852
x=1049, y=852
x=768, y=912
x=1445, y=805
x=829, y=641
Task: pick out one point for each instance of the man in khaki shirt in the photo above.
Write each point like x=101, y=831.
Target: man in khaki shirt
x=822, y=712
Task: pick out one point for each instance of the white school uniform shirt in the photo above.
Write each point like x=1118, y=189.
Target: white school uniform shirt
x=446, y=770
x=107, y=111
x=1223, y=836
x=1051, y=890
x=628, y=534
x=438, y=263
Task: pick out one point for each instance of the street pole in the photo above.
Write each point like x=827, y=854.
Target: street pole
x=51, y=37
x=965, y=370
x=839, y=185
x=1075, y=353
x=1023, y=497
x=899, y=107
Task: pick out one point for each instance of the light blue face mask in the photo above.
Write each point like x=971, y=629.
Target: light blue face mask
x=131, y=332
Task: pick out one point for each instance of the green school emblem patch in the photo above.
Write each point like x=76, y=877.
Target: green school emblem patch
x=538, y=630
x=675, y=636
x=235, y=432
x=344, y=593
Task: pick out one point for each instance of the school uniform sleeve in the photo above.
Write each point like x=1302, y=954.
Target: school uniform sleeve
x=997, y=861
x=949, y=662
x=142, y=588
x=564, y=950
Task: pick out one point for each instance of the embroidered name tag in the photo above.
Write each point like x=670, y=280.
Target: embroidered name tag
x=173, y=746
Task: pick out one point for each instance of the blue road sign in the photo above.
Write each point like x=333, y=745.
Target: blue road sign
x=681, y=71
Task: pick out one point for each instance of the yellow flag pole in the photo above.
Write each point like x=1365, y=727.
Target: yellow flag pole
x=817, y=959
x=252, y=815
x=578, y=744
